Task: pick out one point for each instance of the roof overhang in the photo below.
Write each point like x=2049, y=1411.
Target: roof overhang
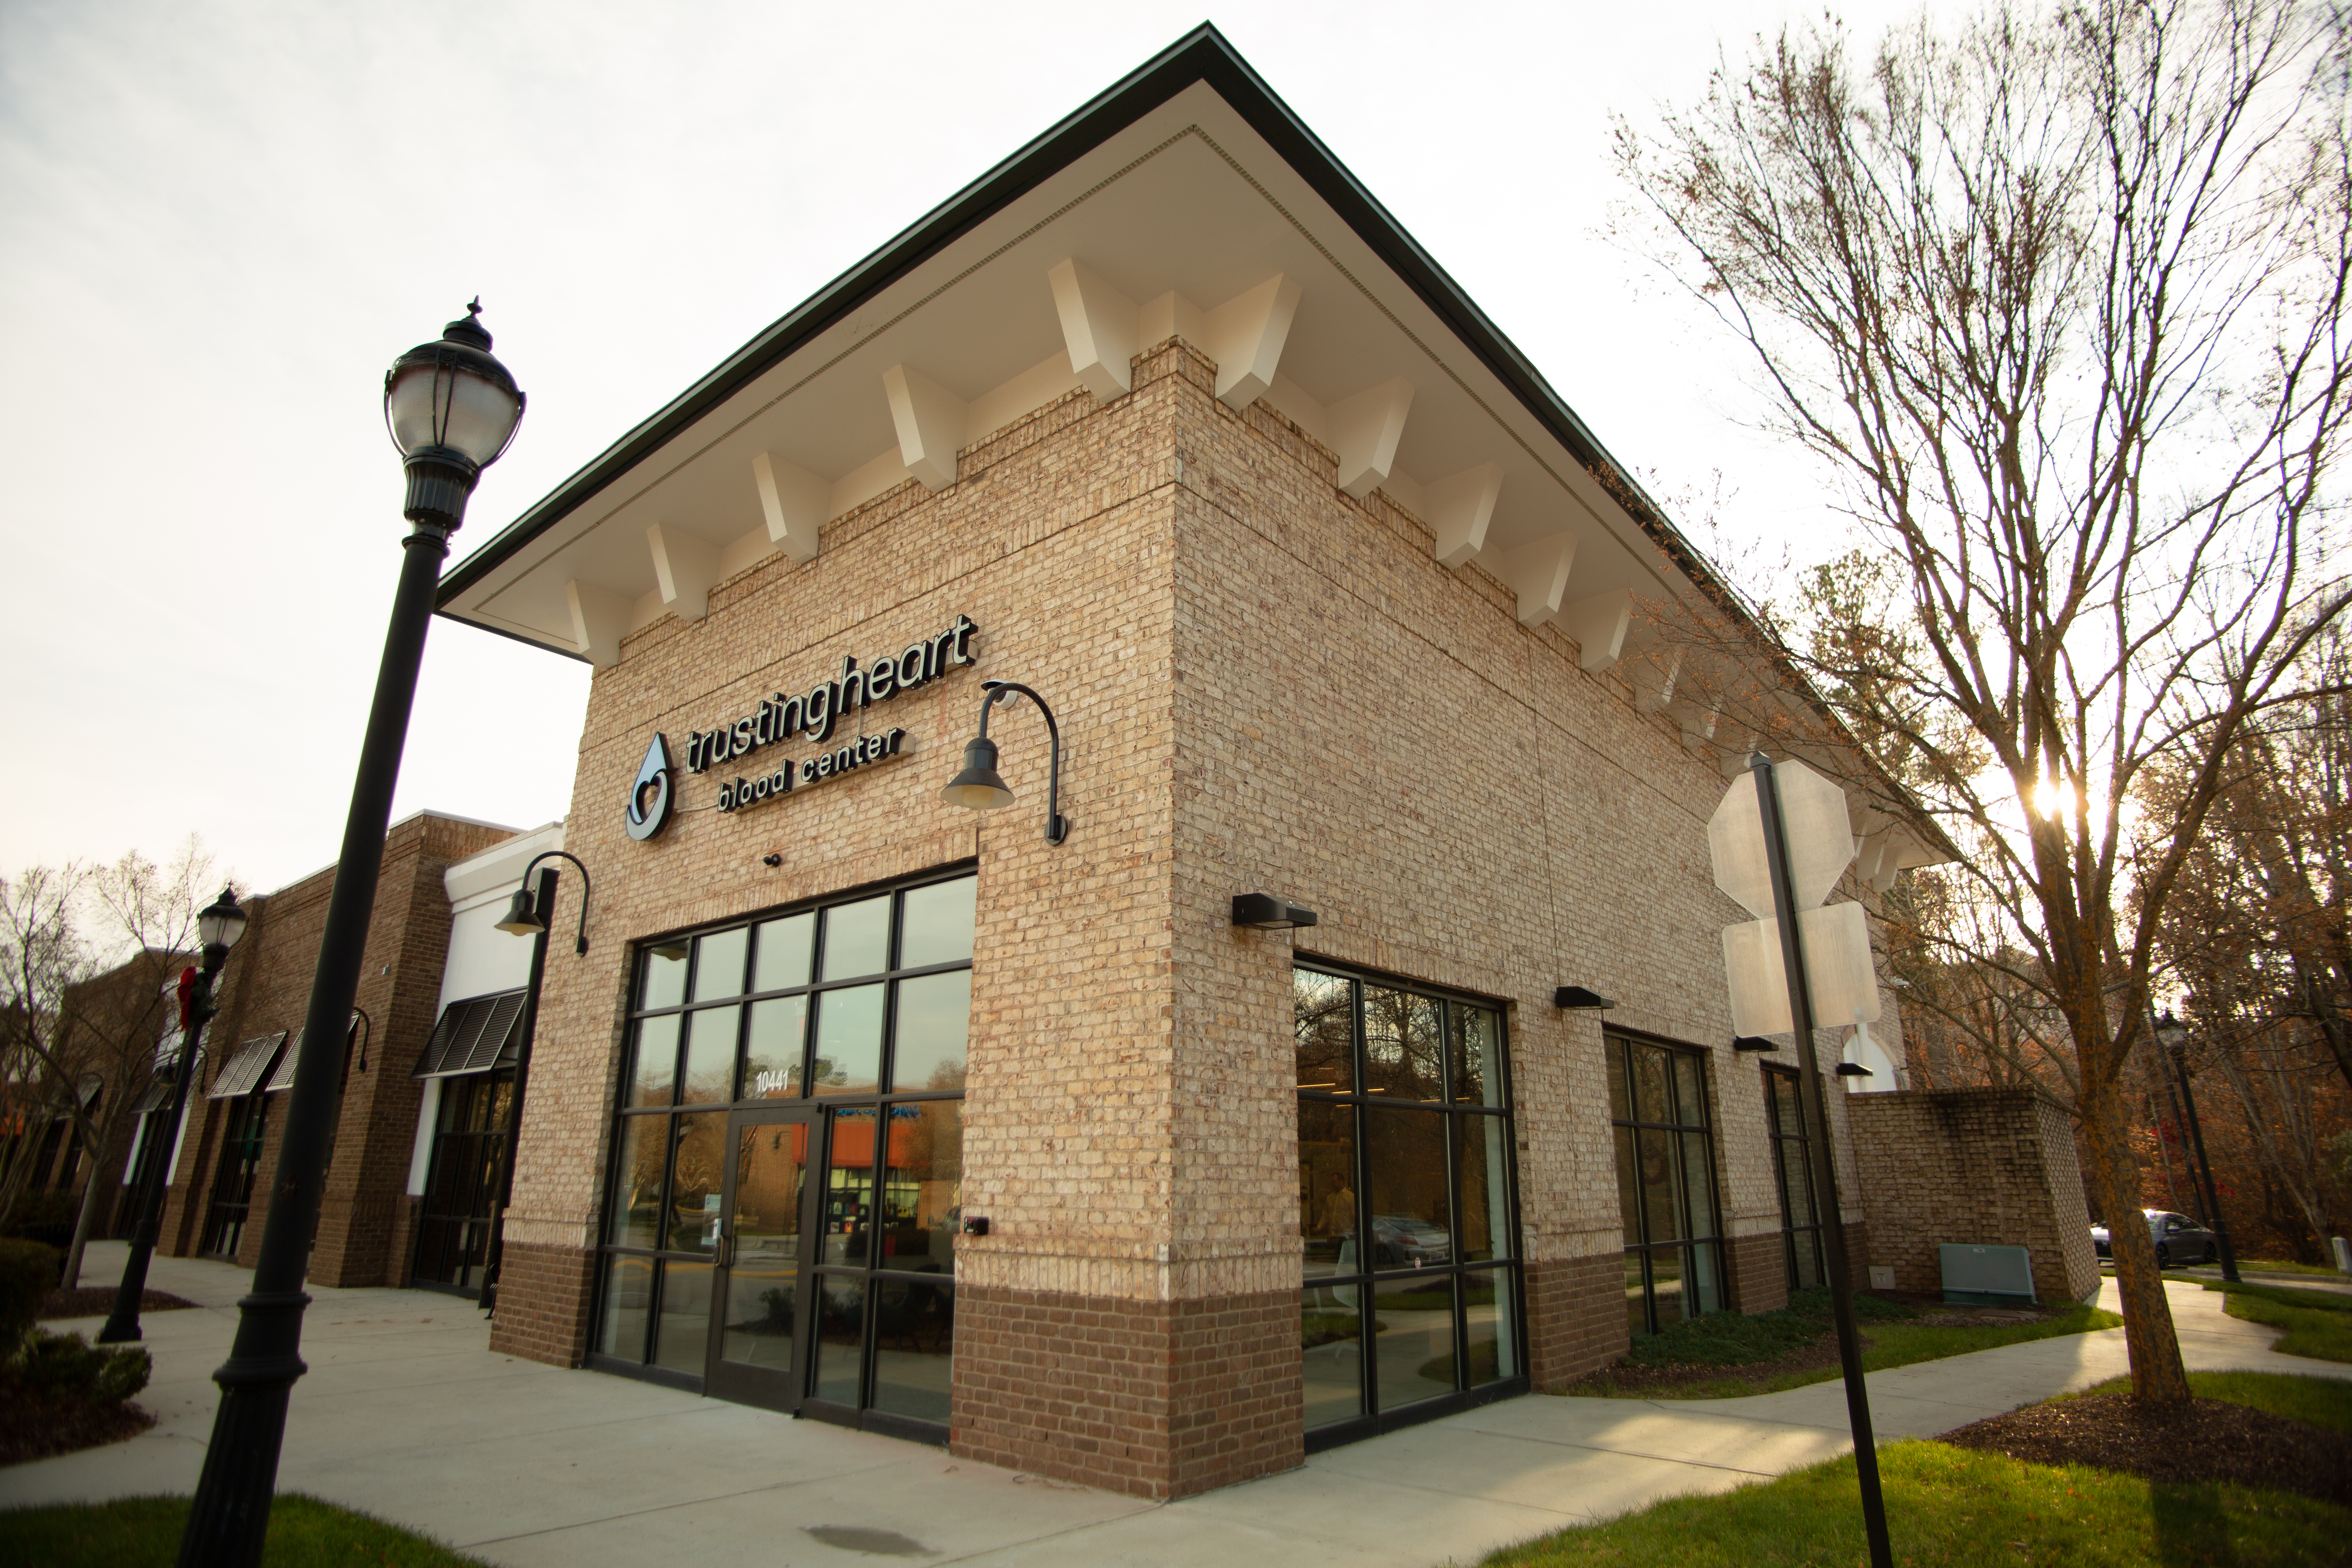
x=1188, y=196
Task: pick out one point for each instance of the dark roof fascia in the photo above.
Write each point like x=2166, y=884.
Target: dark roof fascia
x=1201, y=56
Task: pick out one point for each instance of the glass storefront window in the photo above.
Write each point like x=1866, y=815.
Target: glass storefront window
x=858, y=1012
x=1406, y=1193
x=1665, y=1182
x=1792, y=1166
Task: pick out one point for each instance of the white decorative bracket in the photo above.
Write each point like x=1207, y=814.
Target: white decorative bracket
x=1537, y=574
x=930, y=424
x=1245, y=337
x=598, y=616
x=794, y=502
x=684, y=567
x=1599, y=626
x=1459, y=508
x=1366, y=430
x=1098, y=328
x=1653, y=677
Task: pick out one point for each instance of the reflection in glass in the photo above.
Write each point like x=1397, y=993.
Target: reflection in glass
x=664, y=974
x=782, y=960
x=656, y=1063
x=683, y=1341
x=857, y=939
x=1698, y=1186
x=771, y=1052
x=848, y=1041
x=1661, y=1191
x=849, y=1217
x=762, y=1281
x=937, y=926
x=1487, y=1318
x=1482, y=1177
x=710, y=1077
x=1412, y=1339
x=914, y=1336
x=840, y=1336
x=1637, y=1299
x=1690, y=1099
x=929, y=1035
x=638, y=1181
x=1475, y=1052
x=922, y=1186
x=1331, y=1339
x=1666, y=1285
x=1327, y=1187
x=1652, y=1099
x=1401, y=1045
x=1629, y=1187
x=718, y=964
x=628, y=1298
x=1621, y=1109
x=696, y=1174
x=1411, y=1222
x=1705, y=1280
x=1323, y=1014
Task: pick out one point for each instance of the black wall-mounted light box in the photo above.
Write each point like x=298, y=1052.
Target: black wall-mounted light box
x=1853, y=1069
x=1266, y=912
x=1752, y=1043
x=976, y=1225
x=1581, y=997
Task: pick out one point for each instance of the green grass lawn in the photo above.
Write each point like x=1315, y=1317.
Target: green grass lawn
x=2280, y=1266
x=138, y=1533
x=2318, y=1323
x=1947, y=1505
x=1730, y=1340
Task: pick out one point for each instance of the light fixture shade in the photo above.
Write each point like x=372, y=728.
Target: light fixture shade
x=1264, y=911
x=1580, y=998
x=521, y=920
x=453, y=393
x=978, y=787
x=221, y=923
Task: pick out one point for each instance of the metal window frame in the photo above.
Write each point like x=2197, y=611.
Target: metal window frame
x=1618, y=1046
x=1370, y=1419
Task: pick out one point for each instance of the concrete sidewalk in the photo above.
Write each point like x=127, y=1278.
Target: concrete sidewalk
x=405, y=1413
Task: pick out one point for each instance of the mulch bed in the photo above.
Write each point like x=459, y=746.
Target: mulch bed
x=2205, y=1440
x=98, y=1301
x=34, y=1426
x=1622, y=1378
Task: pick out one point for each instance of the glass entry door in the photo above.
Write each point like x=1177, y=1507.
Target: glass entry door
x=758, y=1339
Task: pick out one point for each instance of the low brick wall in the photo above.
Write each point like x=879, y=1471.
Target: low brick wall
x=1576, y=1317
x=1155, y=1399
x=542, y=1311
x=1985, y=1167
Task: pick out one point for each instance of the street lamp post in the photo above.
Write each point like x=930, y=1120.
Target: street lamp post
x=525, y=916
x=2172, y=1035
x=452, y=409
x=219, y=926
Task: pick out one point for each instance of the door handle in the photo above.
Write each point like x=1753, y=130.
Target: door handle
x=726, y=1259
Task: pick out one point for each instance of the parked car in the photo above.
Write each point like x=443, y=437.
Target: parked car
x=2179, y=1240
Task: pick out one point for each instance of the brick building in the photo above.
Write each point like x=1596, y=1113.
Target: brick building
x=867, y=1106
x=228, y=1140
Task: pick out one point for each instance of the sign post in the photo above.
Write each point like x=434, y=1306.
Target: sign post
x=1797, y=870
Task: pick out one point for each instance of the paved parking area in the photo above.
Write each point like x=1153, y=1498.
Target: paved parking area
x=406, y=1414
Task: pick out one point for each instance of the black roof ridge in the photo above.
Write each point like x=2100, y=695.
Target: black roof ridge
x=1202, y=55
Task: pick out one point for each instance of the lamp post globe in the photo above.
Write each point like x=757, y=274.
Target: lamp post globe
x=452, y=409
x=221, y=923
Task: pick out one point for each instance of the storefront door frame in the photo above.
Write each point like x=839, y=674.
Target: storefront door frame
x=750, y=1377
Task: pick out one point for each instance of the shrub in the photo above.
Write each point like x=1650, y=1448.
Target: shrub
x=68, y=1364
x=28, y=1272
x=1813, y=1301
x=43, y=1211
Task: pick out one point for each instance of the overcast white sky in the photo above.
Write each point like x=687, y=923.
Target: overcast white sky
x=219, y=222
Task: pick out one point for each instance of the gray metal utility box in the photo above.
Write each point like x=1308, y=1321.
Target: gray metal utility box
x=1987, y=1275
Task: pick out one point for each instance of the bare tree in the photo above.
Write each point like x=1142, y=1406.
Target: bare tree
x=2058, y=300
x=93, y=956
x=42, y=958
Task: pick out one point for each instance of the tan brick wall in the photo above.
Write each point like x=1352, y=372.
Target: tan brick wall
x=1977, y=1167
x=1262, y=685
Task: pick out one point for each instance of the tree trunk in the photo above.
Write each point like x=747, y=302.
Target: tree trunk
x=2157, y=1376
x=83, y=1219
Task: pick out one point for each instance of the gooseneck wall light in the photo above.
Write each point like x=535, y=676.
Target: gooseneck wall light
x=219, y=925
x=979, y=787
x=528, y=914
x=452, y=409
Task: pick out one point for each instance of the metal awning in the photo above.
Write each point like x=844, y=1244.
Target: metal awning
x=474, y=1036
x=251, y=1064
x=282, y=1076
x=154, y=1099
